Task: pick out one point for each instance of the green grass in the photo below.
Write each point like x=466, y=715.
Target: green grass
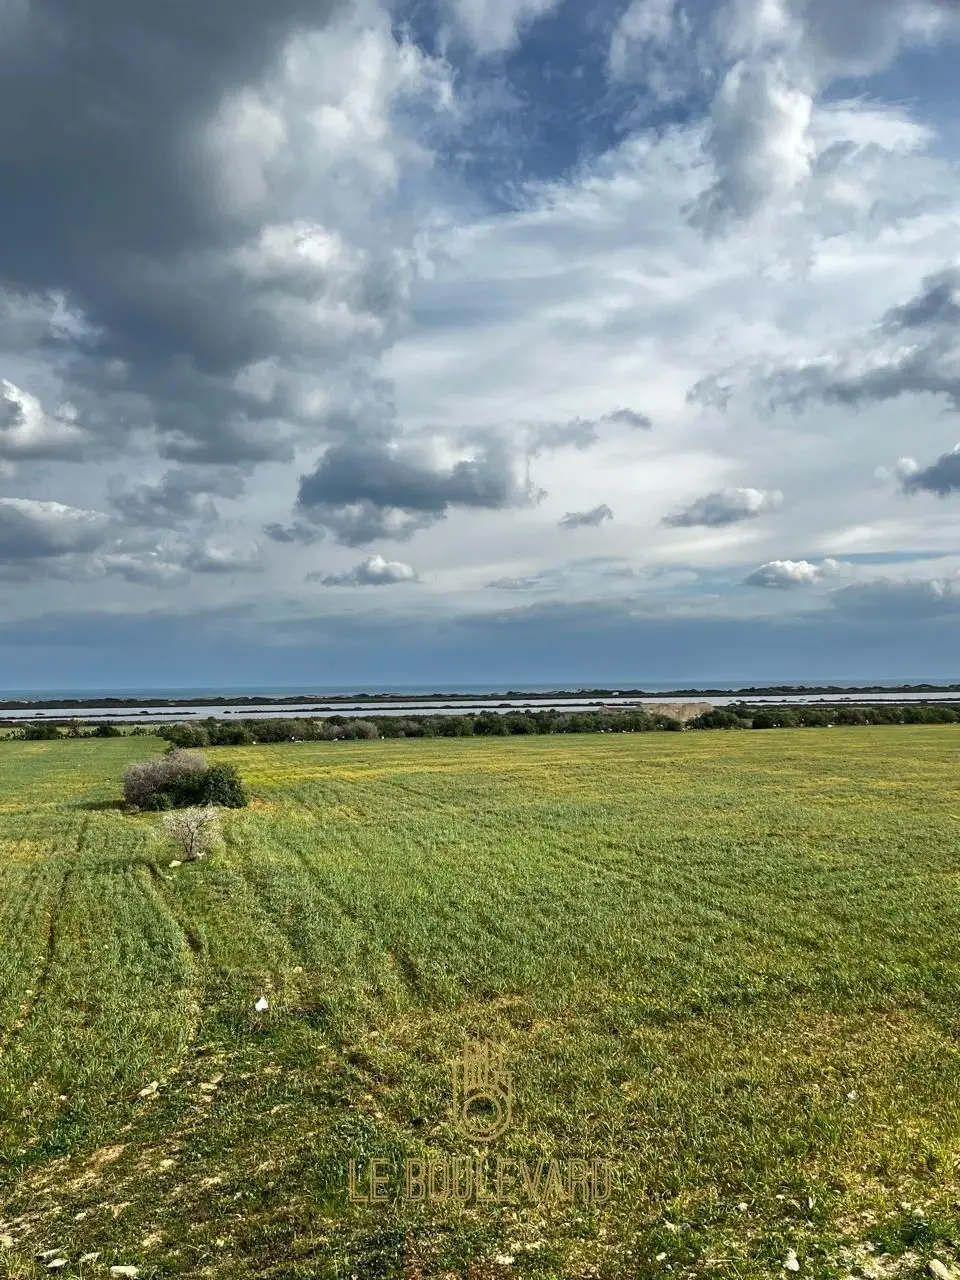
x=728, y=962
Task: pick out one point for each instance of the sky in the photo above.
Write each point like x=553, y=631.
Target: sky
x=383, y=342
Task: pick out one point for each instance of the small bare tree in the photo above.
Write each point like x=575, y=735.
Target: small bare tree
x=196, y=831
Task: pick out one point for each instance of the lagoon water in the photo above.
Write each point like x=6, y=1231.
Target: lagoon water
x=426, y=707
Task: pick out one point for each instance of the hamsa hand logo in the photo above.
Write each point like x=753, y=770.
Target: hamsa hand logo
x=482, y=1091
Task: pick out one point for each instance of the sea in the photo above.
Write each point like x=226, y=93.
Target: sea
x=320, y=691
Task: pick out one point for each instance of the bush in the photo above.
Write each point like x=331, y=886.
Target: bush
x=234, y=735
x=105, y=730
x=765, y=720
x=773, y=718
x=365, y=730
x=814, y=717
x=150, y=785
x=218, y=784
x=196, y=831
x=222, y=786
x=719, y=718
x=40, y=732
x=519, y=722
x=455, y=726
x=851, y=715
x=489, y=723
x=185, y=735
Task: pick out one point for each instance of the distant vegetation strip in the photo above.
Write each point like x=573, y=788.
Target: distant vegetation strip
x=216, y=733
x=553, y=695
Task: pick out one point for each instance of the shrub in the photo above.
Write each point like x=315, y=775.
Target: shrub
x=851, y=715
x=489, y=723
x=233, y=735
x=149, y=785
x=406, y=729
x=40, y=732
x=814, y=717
x=765, y=720
x=942, y=715
x=362, y=729
x=196, y=831
x=772, y=718
x=185, y=735
x=106, y=730
x=519, y=722
x=222, y=786
x=219, y=784
x=719, y=718
x=455, y=726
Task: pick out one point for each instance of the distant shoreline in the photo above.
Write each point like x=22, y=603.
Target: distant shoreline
x=331, y=701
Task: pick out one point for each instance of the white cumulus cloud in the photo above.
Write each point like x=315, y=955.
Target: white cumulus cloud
x=372, y=572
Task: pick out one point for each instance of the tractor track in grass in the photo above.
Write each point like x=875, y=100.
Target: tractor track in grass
x=402, y=964
x=190, y=937
x=192, y=948
x=41, y=974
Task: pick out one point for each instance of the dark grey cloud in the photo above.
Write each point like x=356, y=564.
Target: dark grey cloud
x=180, y=495
x=913, y=601
x=941, y=477
x=186, y=220
x=912, y=351
x=31, y=530
x=557, y=643
x=628, y=418
x=99, y=107
x=297, y=532
x=581, y=433
x=374, y=491
x=725, y=506
x=373, y=572
x=935, y=306
x=714, y=391
x=586, y=519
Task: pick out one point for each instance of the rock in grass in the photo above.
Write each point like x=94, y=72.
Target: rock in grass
x=262, y=1005
x=150, y=1090
x=792, y=1262
x=941, y=1270
x=125, y=1271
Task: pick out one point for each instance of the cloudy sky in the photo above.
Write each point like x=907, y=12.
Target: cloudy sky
x=461, y=341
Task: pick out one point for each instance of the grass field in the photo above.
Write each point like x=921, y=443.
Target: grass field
x=727, y=962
